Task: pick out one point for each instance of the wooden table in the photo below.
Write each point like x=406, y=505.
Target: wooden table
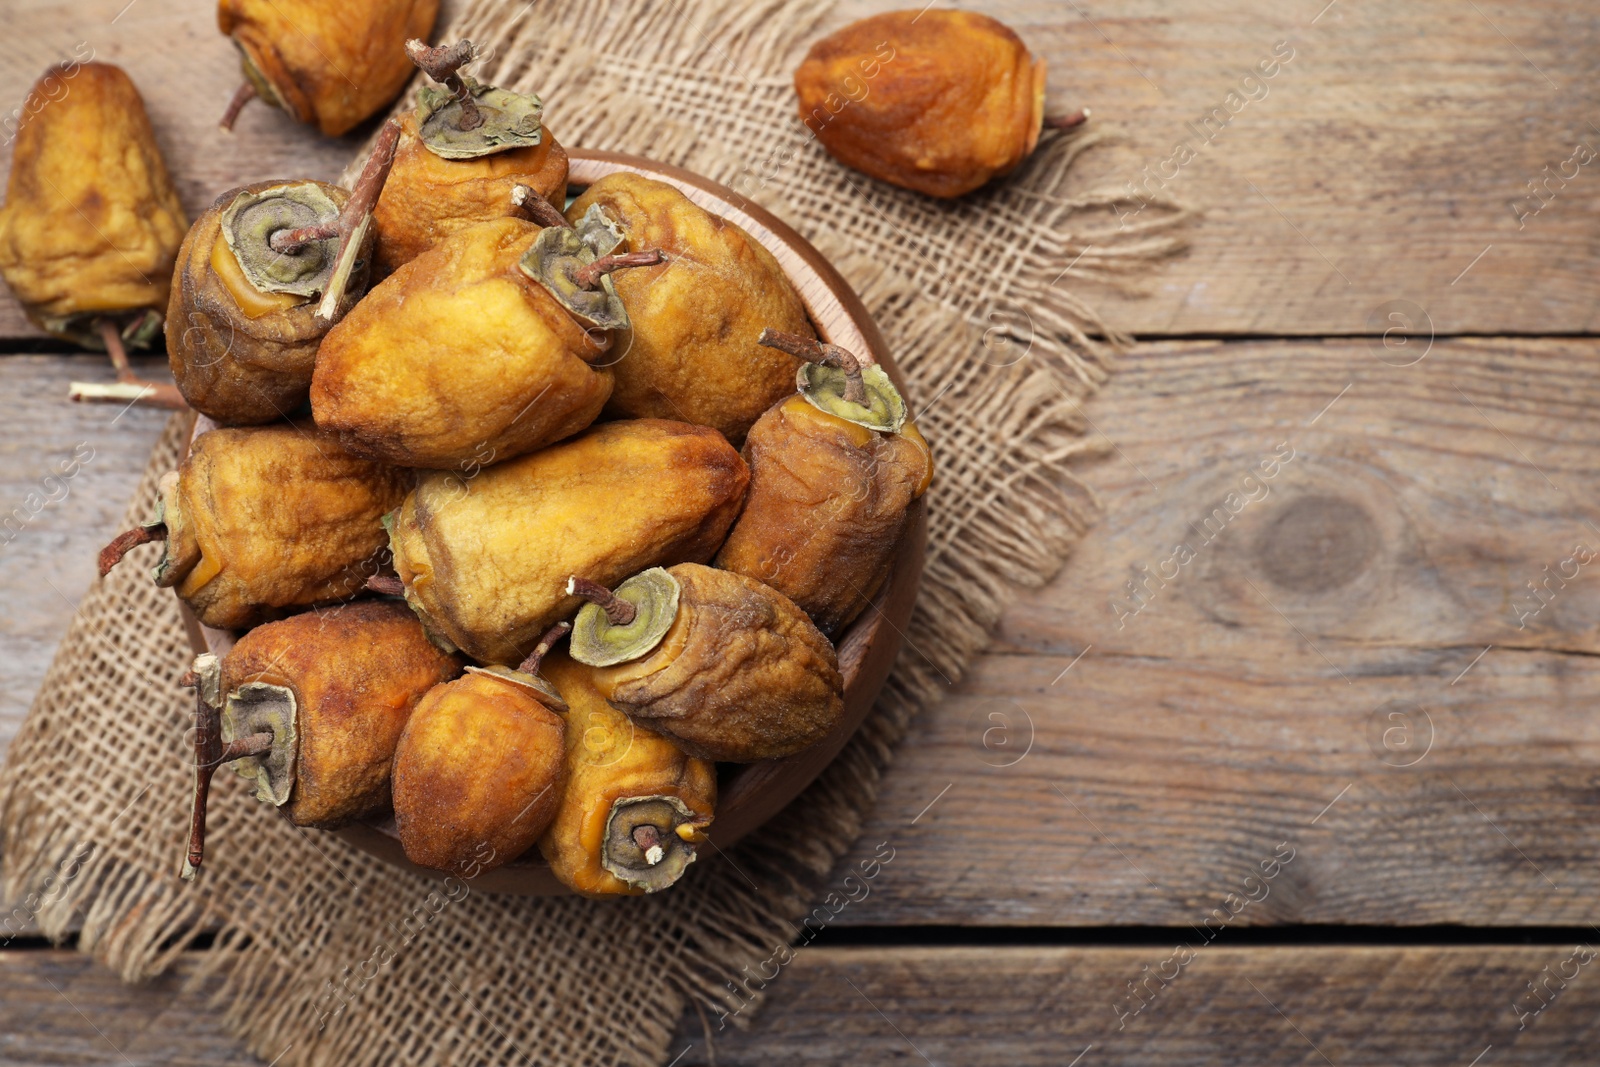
x=1343, y=749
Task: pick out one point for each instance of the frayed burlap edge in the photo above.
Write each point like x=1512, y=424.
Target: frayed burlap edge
x=998, y=370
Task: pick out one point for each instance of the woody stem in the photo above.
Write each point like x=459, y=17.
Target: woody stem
x=210, y=752
x=537, y=208
x=362, y=197
x=112, y=554
x=588, y=276
x=814, y=351
x=542, y=649
x=442, y=64
x=618, y=611
x=1066, y=122
x=130, y=386
x=387, y=585
x=247, y=92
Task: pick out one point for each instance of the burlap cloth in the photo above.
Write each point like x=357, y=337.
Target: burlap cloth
x=328, y=956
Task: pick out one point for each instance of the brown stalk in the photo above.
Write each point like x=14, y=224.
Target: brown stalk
x=443, y=64
x=537, y=208
x=112, y=554
x=210, y=752
x=387, y=585
x=362, y=197
x=130, y=388
x=813, y=351
x=1066, y=122
x=588, y=276
x=618, y=611
x=542, y=649
x=247, y=92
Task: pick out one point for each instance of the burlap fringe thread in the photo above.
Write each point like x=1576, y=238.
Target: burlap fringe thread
x=92, y=811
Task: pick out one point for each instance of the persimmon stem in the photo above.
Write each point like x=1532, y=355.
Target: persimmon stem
x=542, y=649
x=130, y=388
x=247, y=92
x=648, y=838
x=537, y=208
x=112, y=554
x=443, y=65
x=387, y=585
x=1066, y=122
x=362, y=197
x=588, y=276
x=210, y=752
x=618, y=611
x=814, y=351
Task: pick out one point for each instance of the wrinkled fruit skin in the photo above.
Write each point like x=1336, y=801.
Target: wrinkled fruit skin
x=939, y=103
x=610, y=758
x=828, y=504
x=275, y=518
x=428, y=198
x=356, y=672
x=239, y=370
x=691, y=353
x=91, y=221
x=477, y=775
x=485, y=560
x=331, y=66
x=458, y=360
x=742, y=675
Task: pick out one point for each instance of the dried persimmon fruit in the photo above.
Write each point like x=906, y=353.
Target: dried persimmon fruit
x=462, y=155
x=834, y=470
x=726, y=667
x=937, y=101
x=332, y=66
x=634, y=806
x=259, y=521
x=479, y=770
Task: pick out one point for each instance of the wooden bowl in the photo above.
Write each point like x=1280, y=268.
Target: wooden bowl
x=755, y=792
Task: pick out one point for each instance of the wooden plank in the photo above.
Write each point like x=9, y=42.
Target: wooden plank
x=51, y=526
x=1350, y=638
x=1377, y=164
x=63, y=1008
x=1416, y=1006
x=1371, y=170
x=1054, y=1007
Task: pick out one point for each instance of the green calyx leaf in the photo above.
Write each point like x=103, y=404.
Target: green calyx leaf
x=661, y=857
x=510, y=120
x=250, y=221
x=256, y=708
x=557, y=252
x=543, y=690
x=599, y=642
x=823, y=387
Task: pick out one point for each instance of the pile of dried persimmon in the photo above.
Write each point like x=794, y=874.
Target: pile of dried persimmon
x=529, y=512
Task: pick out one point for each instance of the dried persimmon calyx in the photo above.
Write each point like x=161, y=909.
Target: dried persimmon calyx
x=542, y=690
x=625, y=624
x=510, y=120
x=575, y=265
x=253, y=218
x=258, y=708
x=650, y=840
x=841, y=383
x=824, y=389
x=137, y=330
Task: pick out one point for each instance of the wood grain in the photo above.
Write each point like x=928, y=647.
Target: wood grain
x=1019, y=1007
x=1327, y=644
x=59, y=523
x=63, y=1008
